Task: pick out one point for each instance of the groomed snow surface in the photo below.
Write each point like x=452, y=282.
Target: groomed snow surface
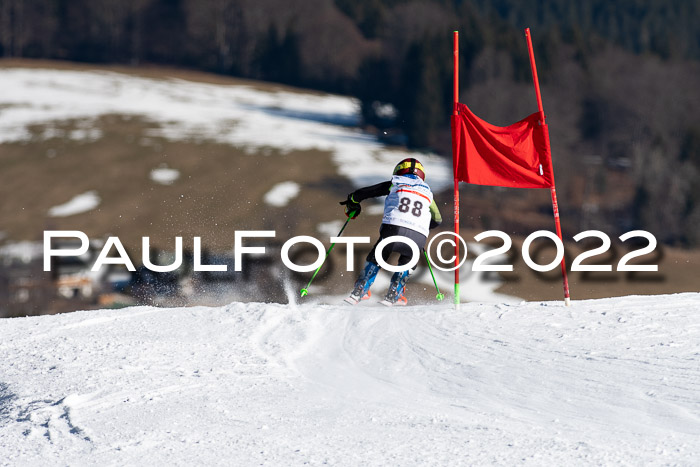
x=604, y=382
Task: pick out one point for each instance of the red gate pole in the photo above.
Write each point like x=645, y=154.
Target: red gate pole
x=454, y=159
x=553, y=190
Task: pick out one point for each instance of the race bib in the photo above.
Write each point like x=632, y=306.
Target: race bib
x=408, y=204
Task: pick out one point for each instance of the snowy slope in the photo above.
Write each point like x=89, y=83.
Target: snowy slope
x=602, y=382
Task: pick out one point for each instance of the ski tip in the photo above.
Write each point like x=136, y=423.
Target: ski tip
x=350, y=300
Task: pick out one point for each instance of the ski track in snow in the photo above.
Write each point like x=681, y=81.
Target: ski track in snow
x=614, y=381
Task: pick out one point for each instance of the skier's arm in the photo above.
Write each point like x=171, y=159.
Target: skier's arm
x=380, y=189
x=435, y=217
x=352, y=204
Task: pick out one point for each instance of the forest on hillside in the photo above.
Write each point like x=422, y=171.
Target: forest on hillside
x=619, y=78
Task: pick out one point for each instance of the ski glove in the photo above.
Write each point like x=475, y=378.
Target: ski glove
x=352, y=208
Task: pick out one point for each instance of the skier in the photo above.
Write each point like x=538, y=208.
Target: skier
x=409, y=211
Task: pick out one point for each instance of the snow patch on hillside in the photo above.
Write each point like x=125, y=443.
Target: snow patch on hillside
x=330, y=228
x=612, y=381
x=239, y=115
x=77, y=205
x=164, y=175
x=282, y=193
x=23, y=251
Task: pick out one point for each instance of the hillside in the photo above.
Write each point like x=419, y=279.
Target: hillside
x=611, y=381
x=67, y=132
x=159, y=152
x=619, y=82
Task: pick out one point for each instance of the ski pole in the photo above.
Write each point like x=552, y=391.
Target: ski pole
x=305, y=290
x=439, y=295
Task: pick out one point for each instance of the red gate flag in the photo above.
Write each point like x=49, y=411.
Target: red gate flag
x=515, y=156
